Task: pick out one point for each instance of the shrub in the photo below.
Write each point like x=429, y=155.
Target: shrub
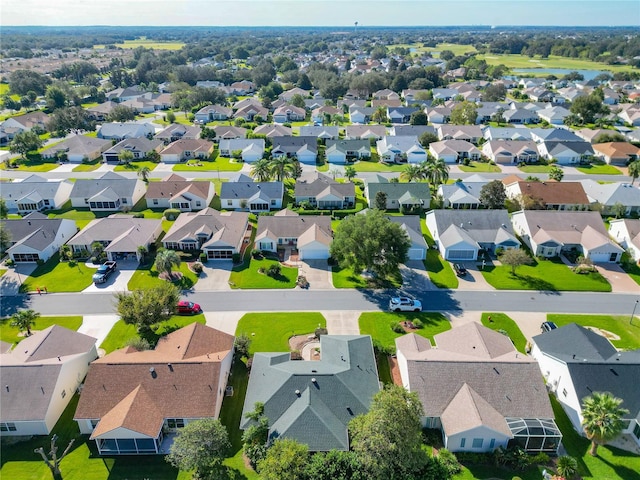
x=256, y=254
x=138, y=343
x=449, y=461
x=296, y=355
x=197, y=268
x=236, y=258
x=138, y=215
x=72, y=263
x=396, y=327
x=274, y=270
x=540, y=459
x=93, y=260
x=40, y=262
x=9, y=262
x=418, y=323
x=171, y=213
x=203, y=257
x=320, y=331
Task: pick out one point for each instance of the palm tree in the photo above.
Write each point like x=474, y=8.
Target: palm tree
x=634, y=170
x=413, y=172
x=143, y=173
x=126, y=156
x=282, y=167
x=436, y=172
x=380, y=115
x=97, y=248
x=350, y=172
x=335, y=172
x=567, y=466
x=142, y=251
x=602, y=418
x=261, y=170
x=166, y=260
x=24, y=320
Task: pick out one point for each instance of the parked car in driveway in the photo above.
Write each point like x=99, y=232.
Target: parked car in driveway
x=405, y=304
x=104, y=271
x=188, y=308
x=459, y=269
x=548, y=326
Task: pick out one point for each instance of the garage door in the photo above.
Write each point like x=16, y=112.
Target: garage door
x=219, y=254
x=313, y=254
x=461, y=255
x=600, y=257
x=416, y=254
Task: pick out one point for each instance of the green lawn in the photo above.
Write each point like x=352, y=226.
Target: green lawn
x=146, y=276
x=500, y=321
x=246, y=275
x=33, y=163
x=480, y=167
x=611, y=463
x=59, y=276
x=618, y=324
x=599, y=168
x=544, y=275
x=378, y=325
x=440, y=272
x=135, y=166
x=535, y=168
x=346, y=278
x=553, y=61
x=11, y=334
x=220, y=164
x=82, y=216
x=270, y=332
x=3, y=271
x=148, y=43
x=82, y=463
x=633, y=270
x=122, y=332
x=374, y=166
x=88, y=166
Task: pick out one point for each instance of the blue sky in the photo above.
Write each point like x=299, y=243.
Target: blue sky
x=320, y=12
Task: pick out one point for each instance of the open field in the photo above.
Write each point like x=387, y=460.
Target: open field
x=418, y=47
x=523, y=61
x=147, y=43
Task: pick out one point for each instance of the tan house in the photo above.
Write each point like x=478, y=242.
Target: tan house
x=619, y=153
x=177, y=192
x=187, y=149
x=550, y=194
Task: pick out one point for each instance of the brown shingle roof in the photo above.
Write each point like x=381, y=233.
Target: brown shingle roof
x=555, y=192
x=169, y=187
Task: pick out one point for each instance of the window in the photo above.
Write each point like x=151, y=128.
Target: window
x=198, y=204
x=155, y=201
x=636, y=431
x=175, y=422
x=94, y=423
x=462, y=442
x=86, y=201
x=64, y=393
x=229, y=203
x=7, y=427
x=564, y=392
x=492, y=444
x=273, y=201
x=124, y=201
x=477, y=443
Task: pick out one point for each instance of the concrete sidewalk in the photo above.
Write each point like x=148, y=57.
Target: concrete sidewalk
x=224, y=321
x=98, y=326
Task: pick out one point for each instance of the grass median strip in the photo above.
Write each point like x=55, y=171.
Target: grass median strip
x=503, y=323
x=378, y=325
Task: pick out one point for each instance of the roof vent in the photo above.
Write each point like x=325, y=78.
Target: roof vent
x=298, y=392
x=170, y=366
x=151, y=370
x=614, y=372
x=314, y=380
x=496, y=370
x=7, y=387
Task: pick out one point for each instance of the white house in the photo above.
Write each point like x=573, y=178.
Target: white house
x=110, y=192
x=35, y=194
x=627, y=233
x=252, y=148
x=37, y=237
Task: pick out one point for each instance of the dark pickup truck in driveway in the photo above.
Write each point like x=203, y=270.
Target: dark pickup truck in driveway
x=104, y=270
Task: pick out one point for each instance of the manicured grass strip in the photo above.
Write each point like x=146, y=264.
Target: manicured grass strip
x=270, y=332
x=633, y=270
x=480, y=167
x=629, y=332
x=246, y=275
x=88, y=167
x=346, y=278
x=535, y=168
x=146, y=276
x=375, y=166
x=11, y=334
x=222, y=164
x=134, y=166
x=384, y=369
x=121, y=332
x=599, y=169
x=611, y=462
x=500, y=321
x=545, y=275
x=440, y=272
x=378, y=325
x=59, y=276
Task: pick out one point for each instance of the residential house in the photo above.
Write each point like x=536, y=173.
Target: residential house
x=553, y=115
x=541, y=135
x=478, y=390
x=251, y=111
x=589, y=134
x=627, y=233
x=219, y=235
x=520, y=116
x=444, y=93
x=550, y=234
x=468, y=133
x=313, y=402
x=410, y=130
x=400, y=196
x=271, y=130
x=101, y=112
x=463, y=194
x=211, y=113
x=401, y=149
x=35, y=194
x=319, y=114
x=24, y=123
x=108, y=192
x=242, y=193
x=187, y=149
x=459, y=235
x=177, y=131
x=577, y=361
x=227, y=132
x=630, y=114
x=611, y=195
x=120, y=235
x=386, y=104
x=36, y=237
x=126, y=93
x=252, y=149
x=619, y=153
x=359, y=132
x=566, y=153
x=140, y=148
x=343, y=151
x=40, y=377
x=135, y=402
x=511, y=152
x=507, y=133
x=454, y=151
x=289, y=94
x=385, y=94
x=310, y=235
x=243, y=87
x=439, y=114
x=289, y=113
x=400, y=114
x=179, y=193
x=303, y=149
x=321, y=132
x=140, y=105
x=412, y=96
x=361, y=114
x=551, y=195
x=411, y=226
x=77, y=149
x=322, y=192
x=120, y=131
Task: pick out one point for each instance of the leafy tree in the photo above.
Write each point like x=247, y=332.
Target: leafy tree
x=412, y=172
x=447, y=55
x=23, y=320
x=4, y=210
x=145, y=308
x=498, y=117
x=464, y=113
x=556, y=173
x=9, y=103
x=201, y=445
x=515, y=257
x=494, y=93
x=166, y=260
x=153, y=156
x=207, y=133
x=171, y=117
x=286, y=459
x=304, y=82
x=126, y=156
x=297, y=100
x=602, y=418
x=261, y=170
x=21, y=82
x=427, y=138
x=56, y=97
x=619, y=210
x=388, y=439
x=5, y=238
x=25, y=142
x=349, y=172
x=567, y=466
x=121, y=113
x=634, y=170
x=588, y=107
x=335, y=172
x=612, y=136
x=65, y=120
x=142, y=252
x=527, y=202
x=282, y=167
x=380, y=115
x=419, y=118
x=372, y=242
x=335, y=465
x=381, y=201
x=255, y=437
x=241, y=344
x=493, y=194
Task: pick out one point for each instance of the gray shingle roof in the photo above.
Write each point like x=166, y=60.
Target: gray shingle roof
x=315, y=183
x=482, y=226
x=124, y=229
x=34, y=230
x=122, y=186
x=247, y=189
x=31, y=184
x=396, y=190
x=228, y=227
x=78, y=145
x=315, y=413
x=291, y=226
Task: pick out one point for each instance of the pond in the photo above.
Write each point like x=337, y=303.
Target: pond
x=558, y=72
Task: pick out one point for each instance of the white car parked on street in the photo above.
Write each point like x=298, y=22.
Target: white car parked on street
x=405, y=304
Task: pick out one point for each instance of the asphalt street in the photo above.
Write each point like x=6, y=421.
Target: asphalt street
x=365, y=300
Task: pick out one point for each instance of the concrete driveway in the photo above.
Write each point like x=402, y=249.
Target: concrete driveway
x=12, y=279
x=618, y=278
x=473, y=280
x=98, y=326
x=318, y=274
x=118, y=281
x=214, y=276
x=415, y=276
x=342, y=322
